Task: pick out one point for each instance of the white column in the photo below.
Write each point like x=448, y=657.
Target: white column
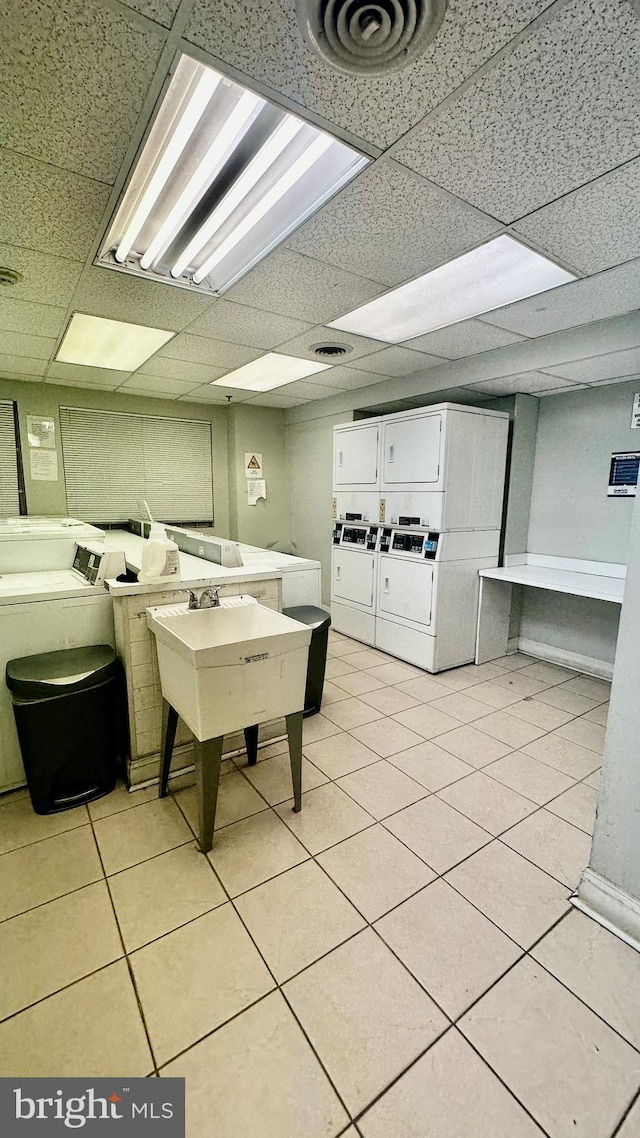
x=610, y=887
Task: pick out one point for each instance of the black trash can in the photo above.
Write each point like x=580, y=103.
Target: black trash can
x=319, y=621
x=66, y=707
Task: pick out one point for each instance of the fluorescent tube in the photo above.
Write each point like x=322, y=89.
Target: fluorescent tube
x=288, y=179
x=271, y=370
x=225, y=142
x=189, y=120
x=498, y=273
x=266, y=156
x=96, y=342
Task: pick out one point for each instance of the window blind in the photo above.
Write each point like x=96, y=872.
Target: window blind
x=112, y=460
x=9, y=498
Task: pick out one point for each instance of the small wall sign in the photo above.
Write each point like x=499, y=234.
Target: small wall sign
x=635, y=413
x=253, y=464
x=623, y=474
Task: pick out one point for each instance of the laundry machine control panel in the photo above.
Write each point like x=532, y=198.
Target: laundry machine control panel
x=95, y=564
x=356, y=536
x=410, y=543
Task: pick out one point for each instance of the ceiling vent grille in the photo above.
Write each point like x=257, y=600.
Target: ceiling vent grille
x=370, y=37
x=330, y=349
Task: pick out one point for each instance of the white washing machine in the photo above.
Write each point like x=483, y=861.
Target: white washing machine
x=353, y=580
x=47, y=610
x=427, y=594
x=31, y=543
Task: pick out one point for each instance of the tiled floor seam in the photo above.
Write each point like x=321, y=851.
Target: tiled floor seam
x=616, y=1130
x=277, y=986
x=126, y=956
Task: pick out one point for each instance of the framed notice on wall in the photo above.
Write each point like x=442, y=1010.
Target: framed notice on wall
x=623, y=474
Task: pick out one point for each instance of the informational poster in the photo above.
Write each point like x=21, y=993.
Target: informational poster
x=44, y=465
x=253, y=464
x=256, y=488
x=41, y=432
x=635, y=414
x=623, y=474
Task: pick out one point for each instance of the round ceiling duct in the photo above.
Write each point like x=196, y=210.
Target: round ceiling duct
x=370, y=37
x=330, y=349
x=9, y=276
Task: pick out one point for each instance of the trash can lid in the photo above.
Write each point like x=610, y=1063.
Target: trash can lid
x=309, y=615
x=56, y=673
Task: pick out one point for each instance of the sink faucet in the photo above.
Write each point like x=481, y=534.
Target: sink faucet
x=208, y=599
x=212, y=596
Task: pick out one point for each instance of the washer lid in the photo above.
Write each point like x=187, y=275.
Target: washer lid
x=57, y=673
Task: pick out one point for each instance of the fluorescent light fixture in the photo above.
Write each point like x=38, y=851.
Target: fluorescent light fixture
x=193, y=112
x=95, y=342
x=222, y=179
x=498, y=273
x=271, y=370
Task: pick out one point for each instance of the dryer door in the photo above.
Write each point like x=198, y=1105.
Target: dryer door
x=355, y=458
x=353, y=577
x=411, y=452
x=405, y=589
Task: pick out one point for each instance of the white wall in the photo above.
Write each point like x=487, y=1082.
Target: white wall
x=571, y=515
x=309, y=465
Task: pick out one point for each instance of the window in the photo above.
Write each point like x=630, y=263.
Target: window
x=9, y=481
x=113, y=460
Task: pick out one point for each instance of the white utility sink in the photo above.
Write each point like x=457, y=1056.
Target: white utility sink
x=227, y=667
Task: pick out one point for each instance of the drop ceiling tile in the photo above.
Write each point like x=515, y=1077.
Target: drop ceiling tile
x=529, y=383
x=76, y=373
x=396, y=360
x=613, y=365
x=464, y=339
x=269, y=400
x=48, y=209
x=162, y=11
x=120, y=296
x=594, y=227
x=560, y=109
x=240, y=324
x=390, y=224
x=27, y=317
x=301, y=345
x=85, y=381
x=303, y=390
x=379, y=109
x=214, y=353
x=293, y=285
x=347, y=378
x=579, y=302
x=163, y=368
x=21, y=366
x=76, y=102
x=46, y=279
x=564, y=390
x=23, y=344
x=208, y=394
x=156, y=385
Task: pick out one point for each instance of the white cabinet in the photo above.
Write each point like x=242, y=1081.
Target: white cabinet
x=355, y=457
x=411, y=452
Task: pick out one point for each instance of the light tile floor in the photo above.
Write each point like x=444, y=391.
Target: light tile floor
x=399, y=960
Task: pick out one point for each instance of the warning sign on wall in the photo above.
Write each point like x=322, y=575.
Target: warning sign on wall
x=253, y=464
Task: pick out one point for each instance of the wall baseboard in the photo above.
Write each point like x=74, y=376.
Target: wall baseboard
x=601, y=668
x=609, y=905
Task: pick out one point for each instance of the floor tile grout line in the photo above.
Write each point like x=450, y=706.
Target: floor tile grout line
x=618, y=1127
x=126, y=956
x=277, y=984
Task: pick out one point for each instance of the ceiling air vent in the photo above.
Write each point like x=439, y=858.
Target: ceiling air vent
x=370, y=37
x=330, y=349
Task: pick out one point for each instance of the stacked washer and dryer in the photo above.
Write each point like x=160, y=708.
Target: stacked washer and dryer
x=417, y=513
